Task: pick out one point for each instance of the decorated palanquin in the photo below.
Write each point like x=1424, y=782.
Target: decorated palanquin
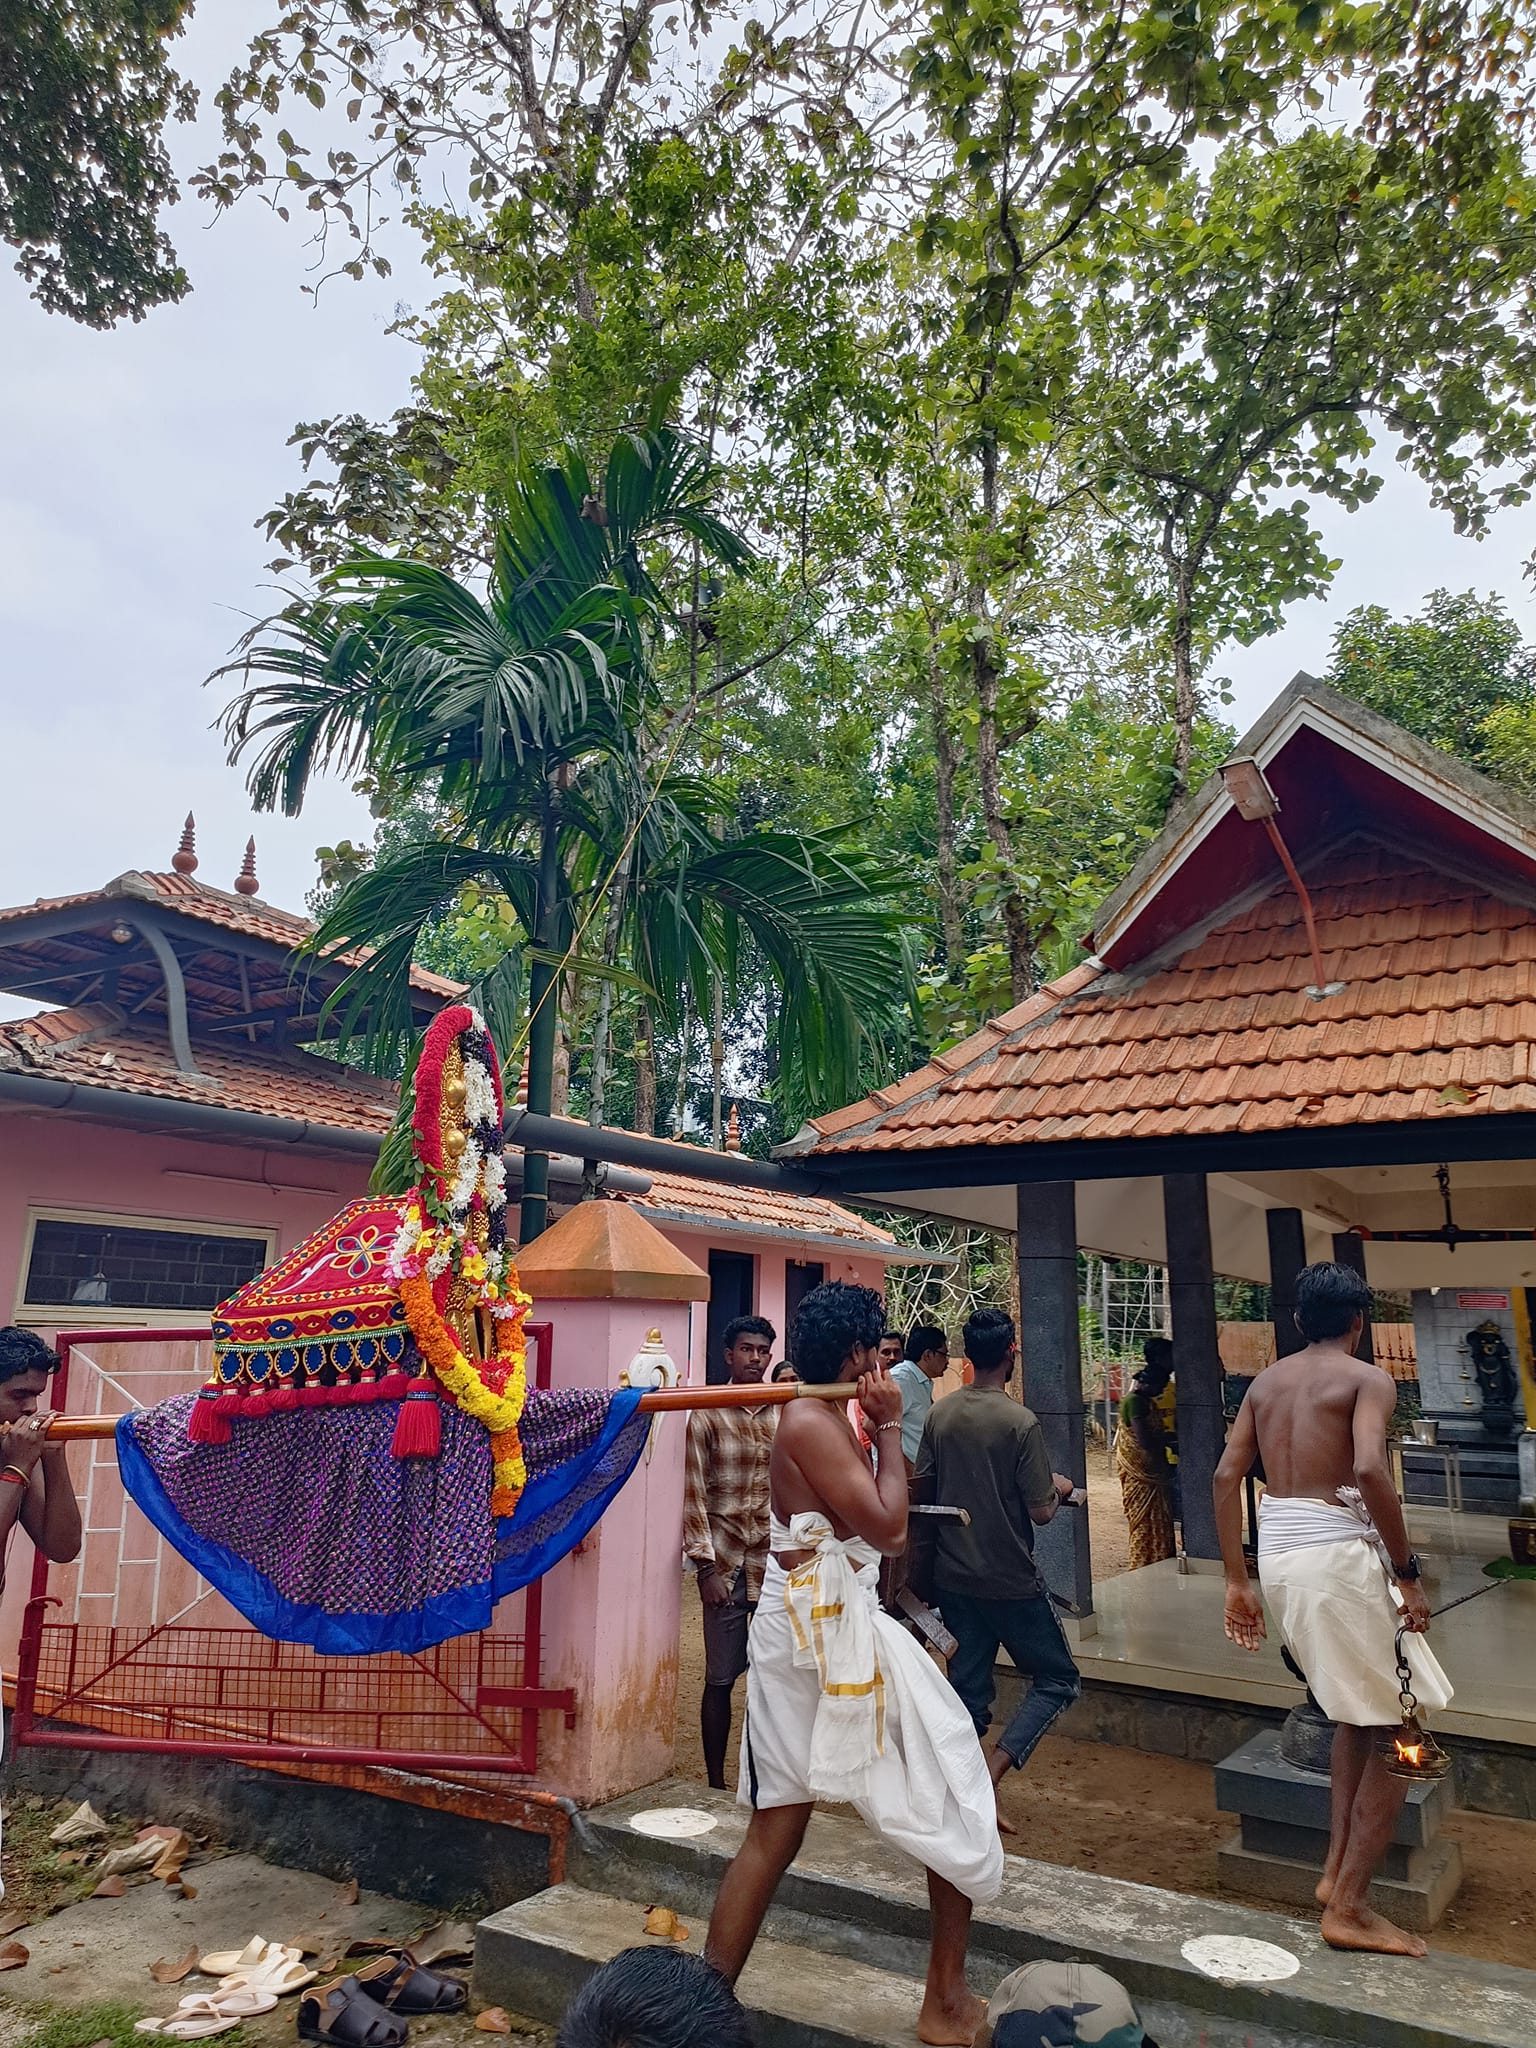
x=367, y=1469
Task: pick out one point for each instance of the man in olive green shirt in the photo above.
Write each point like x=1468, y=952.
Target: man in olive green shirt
x=984, y=1452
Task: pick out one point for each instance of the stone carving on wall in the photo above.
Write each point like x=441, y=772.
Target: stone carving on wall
x=1497, y=1381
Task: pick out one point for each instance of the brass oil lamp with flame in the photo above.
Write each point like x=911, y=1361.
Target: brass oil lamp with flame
x=1411, y=1751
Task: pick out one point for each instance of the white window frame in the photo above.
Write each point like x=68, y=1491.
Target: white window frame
x=96, y=1315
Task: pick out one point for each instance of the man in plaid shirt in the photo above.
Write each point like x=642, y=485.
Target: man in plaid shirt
x=725, y=1526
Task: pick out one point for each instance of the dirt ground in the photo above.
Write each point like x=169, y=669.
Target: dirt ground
x=1127, y=1813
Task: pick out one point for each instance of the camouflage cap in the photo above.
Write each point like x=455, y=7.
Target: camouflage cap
x=1054, y=2005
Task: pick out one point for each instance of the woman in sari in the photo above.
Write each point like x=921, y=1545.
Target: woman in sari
x=1141, y=1458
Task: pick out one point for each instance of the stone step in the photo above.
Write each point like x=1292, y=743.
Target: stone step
x=849, y=1897
x=533, y=1957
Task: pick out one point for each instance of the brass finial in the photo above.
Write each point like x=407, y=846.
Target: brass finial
x=246, y=883
x=184, y=859
x=733, y=1131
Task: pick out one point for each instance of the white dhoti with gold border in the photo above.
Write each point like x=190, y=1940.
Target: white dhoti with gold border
x=843, y=1705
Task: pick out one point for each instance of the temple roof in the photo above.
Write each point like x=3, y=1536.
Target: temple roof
x=236, y=954
x=1195, y=1020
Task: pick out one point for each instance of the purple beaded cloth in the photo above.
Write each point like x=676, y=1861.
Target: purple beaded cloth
x=308, y=1525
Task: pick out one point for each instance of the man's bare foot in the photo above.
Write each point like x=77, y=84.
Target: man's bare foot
x=1367, y=1930
x=951, y=2023
x=1004, y=1825
x=1324, y=1890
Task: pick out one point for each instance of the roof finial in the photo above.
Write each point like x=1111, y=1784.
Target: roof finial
x=246, y=883
x=184, y=859
x=733, y=1132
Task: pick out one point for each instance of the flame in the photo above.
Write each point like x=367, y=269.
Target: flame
x=1410, y=1752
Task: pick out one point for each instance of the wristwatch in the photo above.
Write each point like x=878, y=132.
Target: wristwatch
x=1406, y=1573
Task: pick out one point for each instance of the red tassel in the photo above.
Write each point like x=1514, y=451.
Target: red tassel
x=208, y=1423
x=284, y=1400
x=418, y=1427
x=254, y=1405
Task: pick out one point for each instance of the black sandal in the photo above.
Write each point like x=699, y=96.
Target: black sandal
x=400, y=1984
x=343, y=2015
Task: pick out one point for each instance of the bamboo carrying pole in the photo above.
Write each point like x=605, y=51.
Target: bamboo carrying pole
x=78, y=1429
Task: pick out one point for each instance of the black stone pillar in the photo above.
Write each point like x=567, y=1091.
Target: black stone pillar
x=1196, y=1356
x=1053, y=1372
x=1287, y=1256
x=1349, y=1250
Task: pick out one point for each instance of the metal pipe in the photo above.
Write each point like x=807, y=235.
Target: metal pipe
x=424, y=1760
x=79, y=1429
x=659, y=1155
x=1320, y=985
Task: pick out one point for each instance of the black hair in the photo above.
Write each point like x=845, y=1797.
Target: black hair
x=784, y=1370
x=926, y=1337
x=1328, y=1298
x=890, y=1336
x=829, y=1322
x=1158, y=1352
x=748, y=1326
x=24, y=1351
x=654, y=1998
x=987, y=1337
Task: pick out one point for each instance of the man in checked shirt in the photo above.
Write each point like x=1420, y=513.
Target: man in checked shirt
x=725, y=1526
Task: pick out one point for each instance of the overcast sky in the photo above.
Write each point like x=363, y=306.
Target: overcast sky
x=133, y=464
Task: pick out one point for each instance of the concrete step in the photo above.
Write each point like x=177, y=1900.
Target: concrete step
x=533, y=1957
x=848, y=1897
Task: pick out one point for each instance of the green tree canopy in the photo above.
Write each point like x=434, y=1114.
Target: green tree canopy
x=86, y=91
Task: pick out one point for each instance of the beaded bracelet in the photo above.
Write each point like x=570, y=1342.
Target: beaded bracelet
x=886, y=1425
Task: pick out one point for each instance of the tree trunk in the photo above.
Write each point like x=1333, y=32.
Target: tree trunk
x=645, y=1072
x=984, y=669
x=543, y=1016
x=1185, y=703
x=946, y=758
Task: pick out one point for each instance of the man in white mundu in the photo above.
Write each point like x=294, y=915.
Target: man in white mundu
x=1338, y=1575
x=842, y=1704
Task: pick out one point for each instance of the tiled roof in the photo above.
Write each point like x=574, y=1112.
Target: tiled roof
x=93, y=1048
x=1246, y=1348
x=187, y=897
x=675, y=1195
x=1437, y=1020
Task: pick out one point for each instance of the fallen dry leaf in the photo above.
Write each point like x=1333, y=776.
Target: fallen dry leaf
x=13, y=1956
x=72, y=1856
x=663, y=1921
x=492, y=2021
x=12, y=1923
x=81, y=1826
x=449, y=1938
x=137, y=1856
x=109, y=1888
x=166, y=1972
x=348, y=1893
x=158, y=1831
x=173, y=1854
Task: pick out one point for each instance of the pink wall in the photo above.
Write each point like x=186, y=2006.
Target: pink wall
x=770, y=1263
x=58, y=1163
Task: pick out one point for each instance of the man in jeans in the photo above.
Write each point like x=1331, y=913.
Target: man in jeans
x=984, y=1452
x=725, y=1527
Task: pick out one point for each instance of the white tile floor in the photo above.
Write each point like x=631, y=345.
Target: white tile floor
x=1162, y=1628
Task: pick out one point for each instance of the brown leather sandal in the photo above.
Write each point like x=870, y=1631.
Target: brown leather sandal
x=343, y=2015
x=400, y=1984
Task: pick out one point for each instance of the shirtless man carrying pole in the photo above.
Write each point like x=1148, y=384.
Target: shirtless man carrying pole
x=842, y=1704
x=1337, y=1572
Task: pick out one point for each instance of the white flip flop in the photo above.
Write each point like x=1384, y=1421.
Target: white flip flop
x=257, y=1951
x=280, y=1976
x=191, y=2022
x=230, y=2005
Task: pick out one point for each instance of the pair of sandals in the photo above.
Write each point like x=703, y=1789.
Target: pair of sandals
x=261, y=1966
x=369, y=2008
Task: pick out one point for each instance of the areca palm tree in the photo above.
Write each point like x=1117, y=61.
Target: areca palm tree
x=527, y=713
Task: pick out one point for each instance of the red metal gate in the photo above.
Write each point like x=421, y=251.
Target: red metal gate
x=109, y=1658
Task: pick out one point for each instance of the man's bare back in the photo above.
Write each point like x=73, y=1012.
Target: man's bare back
x=1304, y=1410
